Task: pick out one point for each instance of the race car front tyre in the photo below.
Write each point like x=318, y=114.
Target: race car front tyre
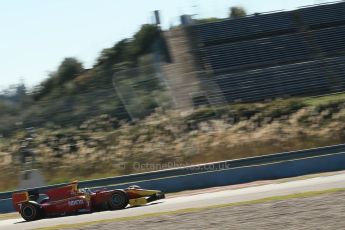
x=154, y=197
x=118, y=200
x=30, y=212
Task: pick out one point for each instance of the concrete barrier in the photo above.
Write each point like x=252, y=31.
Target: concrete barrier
x=268, y=167
x=6, y=206
x=278, y=170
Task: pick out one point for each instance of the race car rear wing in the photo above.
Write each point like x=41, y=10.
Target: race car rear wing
x=18, y=199
x=54, y=194
x=63, y=192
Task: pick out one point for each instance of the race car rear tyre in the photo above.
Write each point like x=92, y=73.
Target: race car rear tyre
x=118, y=200
x=30, y=212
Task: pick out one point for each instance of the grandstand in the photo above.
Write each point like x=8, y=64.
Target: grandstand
x=279, y=54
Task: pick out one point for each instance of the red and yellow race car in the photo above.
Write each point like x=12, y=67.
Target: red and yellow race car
x=69, y=200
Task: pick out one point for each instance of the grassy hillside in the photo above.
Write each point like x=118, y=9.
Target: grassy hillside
x=104, y=146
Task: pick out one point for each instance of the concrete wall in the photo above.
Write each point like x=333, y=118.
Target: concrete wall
x=247, y=174
x=181, y=74
x=236, y=175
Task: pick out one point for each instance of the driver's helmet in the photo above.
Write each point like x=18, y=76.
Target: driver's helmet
x=134, y=187
x=86, y=191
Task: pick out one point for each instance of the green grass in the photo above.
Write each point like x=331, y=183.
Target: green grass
x=9, y=216
x=315, y=101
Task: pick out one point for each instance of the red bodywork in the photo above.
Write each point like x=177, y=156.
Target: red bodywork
x=70, y=200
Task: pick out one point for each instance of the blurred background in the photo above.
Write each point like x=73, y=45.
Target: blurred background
x=198, y=82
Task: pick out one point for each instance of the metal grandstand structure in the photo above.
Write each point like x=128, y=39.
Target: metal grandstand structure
x=273, y=55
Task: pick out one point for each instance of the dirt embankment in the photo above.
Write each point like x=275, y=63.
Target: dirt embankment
x=103, y=146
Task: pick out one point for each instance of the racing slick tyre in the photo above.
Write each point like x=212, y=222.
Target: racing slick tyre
x=118, y=200
x=30, y=212
x=157, y=196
